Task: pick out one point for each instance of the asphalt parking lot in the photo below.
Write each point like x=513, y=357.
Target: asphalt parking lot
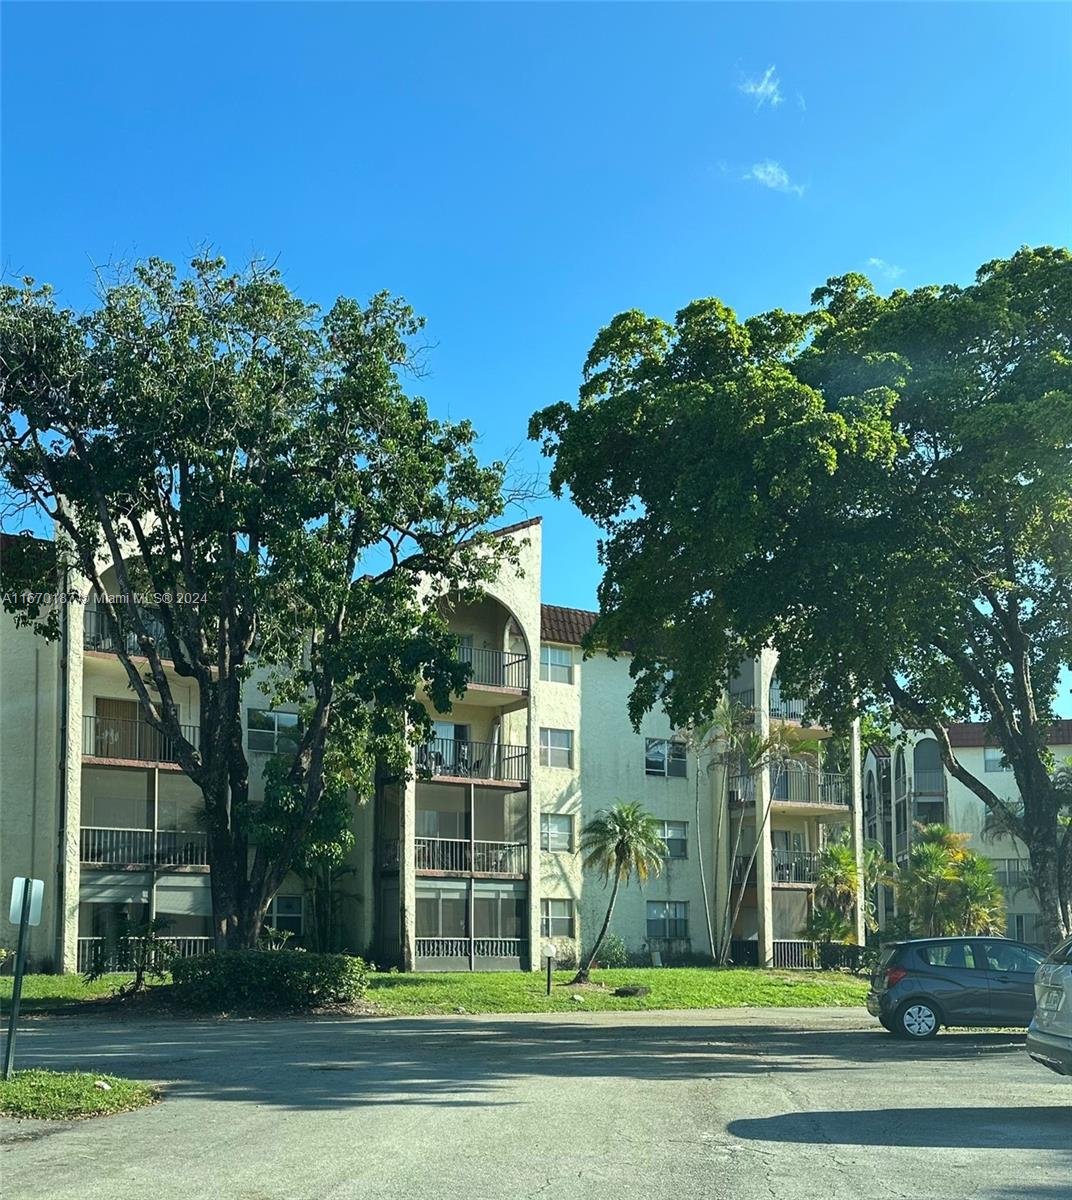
x=816, y=1104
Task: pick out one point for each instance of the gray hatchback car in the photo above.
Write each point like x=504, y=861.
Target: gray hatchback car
x=922, y=984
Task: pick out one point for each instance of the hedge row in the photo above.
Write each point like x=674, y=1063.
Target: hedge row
x=269, y=979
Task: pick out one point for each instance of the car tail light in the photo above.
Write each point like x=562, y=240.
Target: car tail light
x=894, y=975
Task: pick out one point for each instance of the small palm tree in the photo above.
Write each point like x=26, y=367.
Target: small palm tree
x=619, y=842
x=979, y=897
x=837, y=878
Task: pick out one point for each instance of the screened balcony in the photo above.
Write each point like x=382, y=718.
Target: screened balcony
x=130, y=740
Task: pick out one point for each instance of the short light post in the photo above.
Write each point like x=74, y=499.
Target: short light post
x=549, y=952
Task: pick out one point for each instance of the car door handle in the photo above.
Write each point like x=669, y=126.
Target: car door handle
x=1003, y=978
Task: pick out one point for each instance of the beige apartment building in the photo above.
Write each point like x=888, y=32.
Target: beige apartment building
x=471, y=861
x=909, y=784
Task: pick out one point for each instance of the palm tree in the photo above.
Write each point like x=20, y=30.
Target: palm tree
x=979, y=898
x=619, y=842
x=837, y=878
x=926, y=883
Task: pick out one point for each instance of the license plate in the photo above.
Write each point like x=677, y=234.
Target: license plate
x=1050, y=999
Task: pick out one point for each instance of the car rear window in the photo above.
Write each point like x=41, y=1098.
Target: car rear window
x=948, y=954
x=1063, y=953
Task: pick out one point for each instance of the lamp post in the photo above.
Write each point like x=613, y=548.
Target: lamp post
x=549, y=952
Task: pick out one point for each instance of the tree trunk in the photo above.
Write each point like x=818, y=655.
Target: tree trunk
x=703, y=873
x=585, y=971
x=1046, y=884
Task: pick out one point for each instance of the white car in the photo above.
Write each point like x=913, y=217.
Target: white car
x=1049, y=1036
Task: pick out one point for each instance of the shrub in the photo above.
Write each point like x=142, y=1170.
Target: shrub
x=614, y=952
x=269, y=979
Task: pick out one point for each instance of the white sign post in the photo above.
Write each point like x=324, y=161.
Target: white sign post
x=26, y=898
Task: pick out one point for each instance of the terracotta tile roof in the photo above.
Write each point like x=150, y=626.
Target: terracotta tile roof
x=567, y=625
x=974, y=733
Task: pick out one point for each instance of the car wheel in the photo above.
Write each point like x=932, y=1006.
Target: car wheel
x=916, y=1019
x=887, y=1024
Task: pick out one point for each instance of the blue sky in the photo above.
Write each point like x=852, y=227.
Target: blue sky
x=522, y=172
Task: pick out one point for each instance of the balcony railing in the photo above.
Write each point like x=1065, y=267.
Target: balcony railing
x=928, y=784
x=481, y=947
x=105, y=846
x=782, y=707
x=474, y=760
x=137, y=741
x=745, y=698
x=96, y=634
x=461, y=856
x=797, y=786
x=116, y=957
x=497, y=668
x=795, y=866
x=389, y=854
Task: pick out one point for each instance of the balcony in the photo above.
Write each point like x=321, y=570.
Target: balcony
x=89, y=948
x=496, y=668
x=797, y=785
x=928, y=785
x=782, y=707
x=97, y=636
x=787, y=867
x=461, y=949
x=130, y=741
x=473, y=760
x=101, y=846
x=461, y=857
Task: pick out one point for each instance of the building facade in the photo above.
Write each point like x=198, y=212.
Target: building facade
x=907, y=784
x=470, y=861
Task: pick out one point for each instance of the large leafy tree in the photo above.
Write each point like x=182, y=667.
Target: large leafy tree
x=881, y=487
x=257, y=466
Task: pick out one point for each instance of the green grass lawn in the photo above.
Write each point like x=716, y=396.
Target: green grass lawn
x=684, y=987
x=519, y=991
x=42, y=993
x=71, y=1095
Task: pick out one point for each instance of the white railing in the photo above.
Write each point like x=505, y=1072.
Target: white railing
x=90, y=947
x=796, y=955
x=442, y=854
x=481, y=947
x=132, y=741
x=501, y=858
x=129, y=847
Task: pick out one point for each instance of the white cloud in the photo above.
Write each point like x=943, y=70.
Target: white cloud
x=773, y=175
x=889, y=270
x=764, y=90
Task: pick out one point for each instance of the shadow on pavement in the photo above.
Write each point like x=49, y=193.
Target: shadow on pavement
x=1026, y=1128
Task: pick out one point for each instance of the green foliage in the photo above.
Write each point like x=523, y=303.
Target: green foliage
x=137, y=947
x=280, y=980
x=613, y=952
x=946, y=889
x=881, y=488
x=830, y=928
x=256, y=467
x=623, y=841
x=71, y=1095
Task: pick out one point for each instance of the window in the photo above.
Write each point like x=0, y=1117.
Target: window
x=994, y=759
x=499, y=914
x=556, y=664
x=662, y=756
x=675, y=834
x=272, y=732
x=1008, y=956
x=285, y=913
x=556, y=831
x=668, y=919
x=953, y=955
x=556, y=918
x=556, y=747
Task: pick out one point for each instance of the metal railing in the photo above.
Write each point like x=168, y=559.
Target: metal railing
x=901, y=842
x=795, y=866
x=929, y=783
x=130, y=847
x=456, y=854
x=794, y=955
x=481, y=947
x=797, y=786
x=782, y=707
x=497, y=668
x=474, y=760
x=136, y=741
x=116, y=958
x=96, y=635
x=389, y=860
x=745, y=698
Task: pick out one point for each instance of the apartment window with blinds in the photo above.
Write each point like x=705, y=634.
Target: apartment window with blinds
x=675, y=834
x=285, y=913
x=668, y=919
x=271, y=732
x=664, y=756
x=556, y=918
x=556, y=831
x=994, y=759
x=556, y=747
x=556, y=664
